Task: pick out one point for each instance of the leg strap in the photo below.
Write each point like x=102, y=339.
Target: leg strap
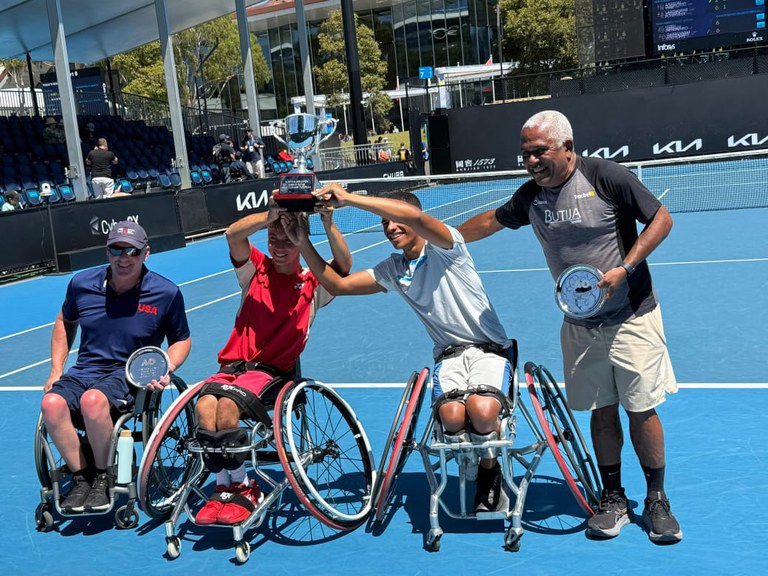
x=215, y=444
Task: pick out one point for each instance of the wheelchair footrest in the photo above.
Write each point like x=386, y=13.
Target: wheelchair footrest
x=502, y=513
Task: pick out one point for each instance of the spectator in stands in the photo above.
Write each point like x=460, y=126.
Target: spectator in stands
x=101, y=160
x=12, y=201
x=385, y=150
x=88, y=135
x=53, y=133
x=253, y=154
x=238, y=169
x=403, y=154
x=119, y=308
x=223, y=155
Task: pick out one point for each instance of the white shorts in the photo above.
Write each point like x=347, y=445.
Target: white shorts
x=103, y=187
x=470, y=367
x=625, y=363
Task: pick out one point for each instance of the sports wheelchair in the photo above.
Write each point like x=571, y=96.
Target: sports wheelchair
x=553, y=427
x=306, y=428
x=55, y=476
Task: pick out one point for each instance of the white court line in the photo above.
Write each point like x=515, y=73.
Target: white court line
x=385, y=385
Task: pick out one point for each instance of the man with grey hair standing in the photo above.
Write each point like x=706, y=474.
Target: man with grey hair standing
x=585, y=211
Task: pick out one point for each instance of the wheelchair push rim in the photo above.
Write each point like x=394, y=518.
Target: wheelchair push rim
x=324, y=453
x=165, y=464
x=403, y=445
x=563, y=437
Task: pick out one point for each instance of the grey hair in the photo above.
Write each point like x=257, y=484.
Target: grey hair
x=556, y=124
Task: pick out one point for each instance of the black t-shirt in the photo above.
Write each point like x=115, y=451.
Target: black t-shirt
x=101, y=163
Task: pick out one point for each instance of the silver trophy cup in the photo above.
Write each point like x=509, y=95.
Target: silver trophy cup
x=303, y=135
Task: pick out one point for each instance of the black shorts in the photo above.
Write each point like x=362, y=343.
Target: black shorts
x=250, y=404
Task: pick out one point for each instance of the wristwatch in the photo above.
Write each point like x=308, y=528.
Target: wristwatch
x=628, y=268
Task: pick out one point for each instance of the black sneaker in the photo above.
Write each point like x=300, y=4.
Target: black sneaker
x=612, y=515
x=98, y=497
x=76, y=497
x=658, y=518
x=488, y=493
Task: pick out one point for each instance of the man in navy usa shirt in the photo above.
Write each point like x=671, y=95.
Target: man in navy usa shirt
x=119, y=308
x=585, y=211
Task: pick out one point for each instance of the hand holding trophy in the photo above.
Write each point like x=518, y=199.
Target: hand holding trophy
x=303, y=136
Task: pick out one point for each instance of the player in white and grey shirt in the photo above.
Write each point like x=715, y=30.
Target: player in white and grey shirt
x=435, y=274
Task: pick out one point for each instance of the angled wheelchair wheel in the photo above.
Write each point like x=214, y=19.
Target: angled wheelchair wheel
x=564, y=437
x=166, y=464
x=325, y=453
x=400, y=441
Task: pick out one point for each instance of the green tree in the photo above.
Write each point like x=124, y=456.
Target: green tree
x=331, y=74
x=142, y=69
x=15, y=69
x=540, y=34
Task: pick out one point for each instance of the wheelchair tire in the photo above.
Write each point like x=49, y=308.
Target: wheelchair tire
x=564, y=437
x=400, y=445
x=166, y=464
x=324, y=453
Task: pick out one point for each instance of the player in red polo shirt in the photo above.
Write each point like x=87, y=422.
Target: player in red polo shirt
x=278, y=304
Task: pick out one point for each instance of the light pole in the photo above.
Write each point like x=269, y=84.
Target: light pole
x=501, y=58
x=203, y=53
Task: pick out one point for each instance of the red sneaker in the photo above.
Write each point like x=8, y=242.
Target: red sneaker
x=243, y=500
x=210, y=512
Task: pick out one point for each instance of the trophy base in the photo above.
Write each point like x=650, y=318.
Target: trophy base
x=295, y=191
x=296, y=202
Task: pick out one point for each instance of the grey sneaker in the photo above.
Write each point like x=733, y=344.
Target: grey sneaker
x=98, y=497
x=658, y=518
x=76, y=497
x=612, y=515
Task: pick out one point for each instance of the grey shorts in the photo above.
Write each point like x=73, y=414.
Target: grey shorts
x=625, y=363
x=471, y=367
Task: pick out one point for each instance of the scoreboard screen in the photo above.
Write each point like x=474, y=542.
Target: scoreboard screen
x=688, y=25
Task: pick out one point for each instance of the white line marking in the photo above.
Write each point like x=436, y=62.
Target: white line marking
x=386, y=385
x=663, y=194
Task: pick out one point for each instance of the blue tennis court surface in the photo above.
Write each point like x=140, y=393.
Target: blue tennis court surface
x=711, y=275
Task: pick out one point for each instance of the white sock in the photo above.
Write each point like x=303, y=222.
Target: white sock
x=222, y=478
x=238, y=476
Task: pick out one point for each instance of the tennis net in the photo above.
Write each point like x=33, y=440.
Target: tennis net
x=693, y=184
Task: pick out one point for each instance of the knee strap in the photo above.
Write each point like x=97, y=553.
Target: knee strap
x=223, y=439
x=480, y=438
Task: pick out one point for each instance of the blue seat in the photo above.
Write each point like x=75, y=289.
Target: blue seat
x=66, y=192
x=205, y=173
x=175, y=179
x=196, y=177
x=165, y=181
x=31, y=197
x=126, y=186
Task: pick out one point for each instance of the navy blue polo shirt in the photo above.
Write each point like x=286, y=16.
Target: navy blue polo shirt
x=113, y=326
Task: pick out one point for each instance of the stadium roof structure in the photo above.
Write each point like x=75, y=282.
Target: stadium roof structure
x=96, y=29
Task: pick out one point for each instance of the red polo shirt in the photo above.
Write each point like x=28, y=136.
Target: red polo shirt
x=276, y=311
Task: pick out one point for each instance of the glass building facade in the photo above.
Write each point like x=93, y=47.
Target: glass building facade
x=411, y=34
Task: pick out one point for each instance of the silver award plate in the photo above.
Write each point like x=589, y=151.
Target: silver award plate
x=576, y=291
x=147, y=364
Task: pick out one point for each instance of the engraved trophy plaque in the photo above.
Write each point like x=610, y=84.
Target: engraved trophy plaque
x=303, y=135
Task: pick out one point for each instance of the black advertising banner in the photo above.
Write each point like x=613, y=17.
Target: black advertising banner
x=82, y=225
x=28, y=239
x=719, y=116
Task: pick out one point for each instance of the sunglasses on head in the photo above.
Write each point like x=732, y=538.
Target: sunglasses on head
x=127, y=250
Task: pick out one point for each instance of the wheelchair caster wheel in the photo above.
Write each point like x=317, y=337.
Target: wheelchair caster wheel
x=44, y=518
x=242, y=551
x=173, y=547
x=512, y=541
x=126, y=518
x=433, y=543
